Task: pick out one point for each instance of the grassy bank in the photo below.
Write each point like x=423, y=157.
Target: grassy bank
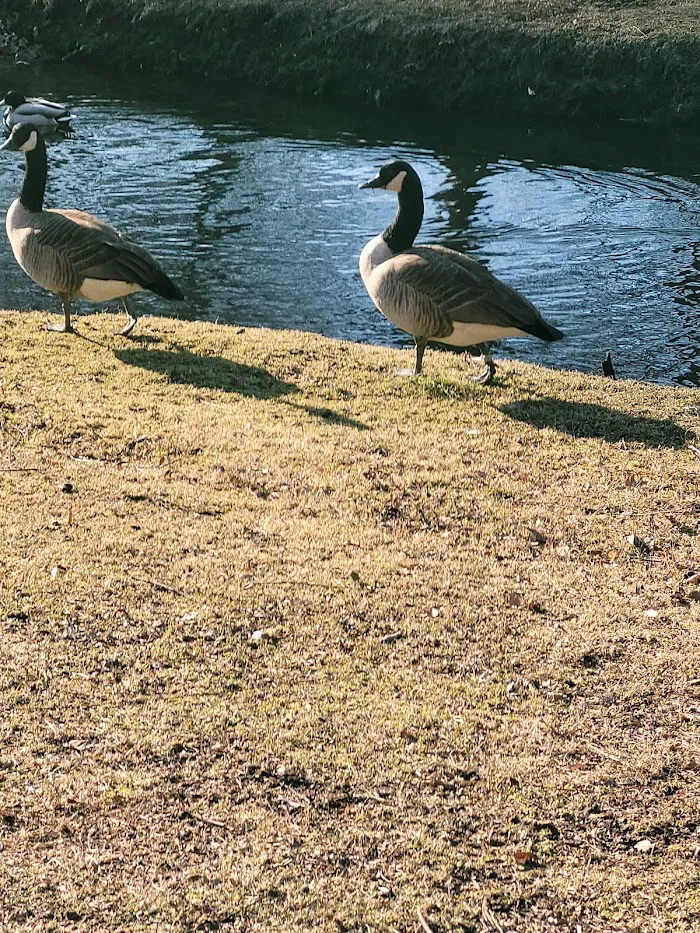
x=290, y=643
x=596, y=60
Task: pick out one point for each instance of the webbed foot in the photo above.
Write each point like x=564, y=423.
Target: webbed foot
x=128, y=327
x=60, y=328
x=130, y=318
x=485, y=377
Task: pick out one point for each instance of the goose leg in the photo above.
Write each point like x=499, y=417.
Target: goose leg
x=66, y=327
x=485, y=377
x=131, y=318
x=421, y=344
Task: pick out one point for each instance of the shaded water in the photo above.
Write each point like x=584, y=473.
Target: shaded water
x=251, y=204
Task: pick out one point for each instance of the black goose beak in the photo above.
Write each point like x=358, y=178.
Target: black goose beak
x=375, y=182
x=9, y=144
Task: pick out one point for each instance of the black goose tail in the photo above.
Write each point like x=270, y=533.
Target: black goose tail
x=165, y=287
x=545, y=331
x=553, y=333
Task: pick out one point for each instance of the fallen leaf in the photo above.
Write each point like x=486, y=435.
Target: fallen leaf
x=524, y=857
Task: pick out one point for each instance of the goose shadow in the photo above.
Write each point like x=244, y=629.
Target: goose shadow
x=580, y=419
x=183, y=367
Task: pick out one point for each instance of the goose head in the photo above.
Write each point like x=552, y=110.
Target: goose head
x=391, y=176
x=23, y=138
x=13, y=99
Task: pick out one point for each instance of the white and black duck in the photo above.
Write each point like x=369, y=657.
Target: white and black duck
x=71, y=253
x=434, y=293
x=45, y=115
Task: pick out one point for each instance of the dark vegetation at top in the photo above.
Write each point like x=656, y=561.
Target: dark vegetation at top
x=621, y=60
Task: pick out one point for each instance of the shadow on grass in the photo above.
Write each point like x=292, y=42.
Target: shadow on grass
x=183, y=367
x=208, y=372
x=579, y=419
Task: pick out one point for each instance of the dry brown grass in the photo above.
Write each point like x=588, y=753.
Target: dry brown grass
x=468, y=693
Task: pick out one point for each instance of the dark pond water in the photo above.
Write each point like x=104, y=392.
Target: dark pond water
x=251, y=203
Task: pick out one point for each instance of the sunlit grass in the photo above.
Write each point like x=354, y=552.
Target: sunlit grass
x=291, y=643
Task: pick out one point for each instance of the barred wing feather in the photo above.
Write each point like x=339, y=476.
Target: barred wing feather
x=95, y=250
x=450, y=287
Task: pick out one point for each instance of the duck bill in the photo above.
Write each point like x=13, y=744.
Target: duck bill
x=375, y=182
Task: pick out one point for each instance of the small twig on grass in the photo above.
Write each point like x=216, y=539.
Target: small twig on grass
x=489, y=916
x=20, y=469
x=203, y=819
x=372, y=795
x=331, y=586
x=157, y=585
x=423, y=922
x=602, y=753
x=354, y=22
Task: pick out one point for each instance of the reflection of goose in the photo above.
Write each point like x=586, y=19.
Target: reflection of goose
x=71, y=253
x=435, y=293
x=43, y=114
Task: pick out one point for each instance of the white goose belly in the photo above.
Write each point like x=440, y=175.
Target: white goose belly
x=467, y=335
x=105, y=289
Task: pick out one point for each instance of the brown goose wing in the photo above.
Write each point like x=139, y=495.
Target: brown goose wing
x=458, y=289
x=95, y=250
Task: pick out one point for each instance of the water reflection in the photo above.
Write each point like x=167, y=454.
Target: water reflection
x=252, y=206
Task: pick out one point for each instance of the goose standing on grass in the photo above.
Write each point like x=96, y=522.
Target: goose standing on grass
x=71, y=253
x=434, y=293
x=43, y=114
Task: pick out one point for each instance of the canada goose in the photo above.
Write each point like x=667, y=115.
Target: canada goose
x=70, y=252
x=435, y=293
x=43, y=114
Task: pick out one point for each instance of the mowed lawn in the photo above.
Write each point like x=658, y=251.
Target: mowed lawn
x=290, y=643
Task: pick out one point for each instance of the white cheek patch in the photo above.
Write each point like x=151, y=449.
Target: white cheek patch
x=30, y=143
x=396, y=182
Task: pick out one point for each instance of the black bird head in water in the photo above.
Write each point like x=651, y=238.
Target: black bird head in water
x=13, y=99
x=391, y=176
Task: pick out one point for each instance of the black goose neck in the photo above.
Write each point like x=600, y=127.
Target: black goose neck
x=32, y=194
x=403, y=229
